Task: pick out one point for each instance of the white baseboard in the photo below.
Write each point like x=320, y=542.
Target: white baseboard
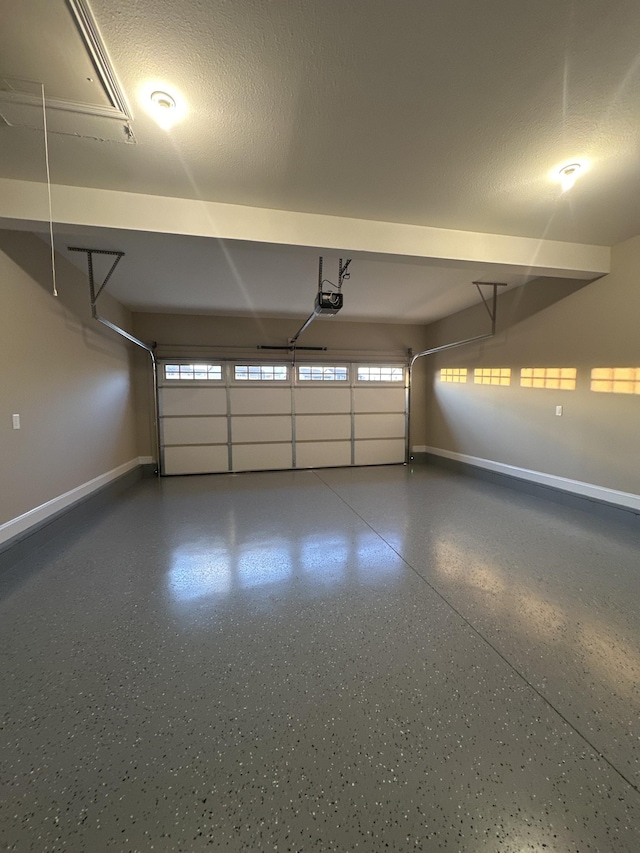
x=586, y=490
x=41, y=513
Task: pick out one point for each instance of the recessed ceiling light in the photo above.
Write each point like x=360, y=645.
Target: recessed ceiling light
x=568, y=175
x=163, y=100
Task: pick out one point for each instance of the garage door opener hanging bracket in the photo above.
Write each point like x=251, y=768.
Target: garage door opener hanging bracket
x=94, y=295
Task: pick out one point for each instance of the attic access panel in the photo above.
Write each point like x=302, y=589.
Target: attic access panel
x=58, y=44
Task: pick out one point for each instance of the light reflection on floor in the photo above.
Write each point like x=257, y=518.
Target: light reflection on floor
x=197, y=573
x=213, y=571
x=263, y=563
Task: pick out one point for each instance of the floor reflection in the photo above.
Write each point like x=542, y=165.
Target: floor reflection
x=197, y=572
x=324, y=558
x=213, y=570
x=537, y=613
x=263, y=563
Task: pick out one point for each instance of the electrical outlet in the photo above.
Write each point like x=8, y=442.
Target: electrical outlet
x=15, y=419
x=559, y=411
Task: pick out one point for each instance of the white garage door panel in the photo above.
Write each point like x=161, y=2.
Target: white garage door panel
x=280, y=425
x=193, y=401
x=379, y=452
x=194, y=430
x=260, y=401
x=195, y=460
x=261, y=457
x=379, y=399
x=379, y=426
x=323, y=454
x=329, y=400
x=260, y=429
x=322, y=427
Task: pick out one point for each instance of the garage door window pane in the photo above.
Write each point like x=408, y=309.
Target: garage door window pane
x=193, y=371
x=261, y=372
x=380, y=373
x=322, y=373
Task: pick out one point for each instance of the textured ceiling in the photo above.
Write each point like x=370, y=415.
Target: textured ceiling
x=446, y=114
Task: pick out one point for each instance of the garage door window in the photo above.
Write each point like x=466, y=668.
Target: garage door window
x=323, y=373
x=193, y=371
x=260, y=372
x=380, y=373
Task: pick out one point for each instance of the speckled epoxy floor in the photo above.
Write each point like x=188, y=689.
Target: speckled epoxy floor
x=358, y=659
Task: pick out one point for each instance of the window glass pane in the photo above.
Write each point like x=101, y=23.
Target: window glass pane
x=193, y=371
x=261, y=372
x=380, y=373
x=322, y=373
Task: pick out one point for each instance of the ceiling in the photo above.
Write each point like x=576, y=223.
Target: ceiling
x=442, y=115
x=243, y=278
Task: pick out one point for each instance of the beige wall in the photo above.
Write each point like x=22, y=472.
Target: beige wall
x=69, y=380
x=188, y=334
x=597, y=440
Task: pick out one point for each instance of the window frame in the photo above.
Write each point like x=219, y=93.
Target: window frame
x=393, y=382
x=258, y=380
x=330, y=380
x=192, y=365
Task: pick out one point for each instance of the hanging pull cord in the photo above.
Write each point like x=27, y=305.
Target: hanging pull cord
x=46, y=160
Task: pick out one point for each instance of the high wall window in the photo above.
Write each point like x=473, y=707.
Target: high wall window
x=563, y=378
x=193, y=371
x=453, y=374
x=380, y=373
x=268, y=372
x=323, y=373
x=492, y=376
x=616, y=380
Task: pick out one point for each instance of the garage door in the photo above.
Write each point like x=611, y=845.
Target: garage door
x=235, y=416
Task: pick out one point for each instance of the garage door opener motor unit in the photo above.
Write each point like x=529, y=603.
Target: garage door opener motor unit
x=331, y=301
x=328, y=302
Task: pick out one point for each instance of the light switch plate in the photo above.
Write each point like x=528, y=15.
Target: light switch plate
x=16, y=421
x=559, y=411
